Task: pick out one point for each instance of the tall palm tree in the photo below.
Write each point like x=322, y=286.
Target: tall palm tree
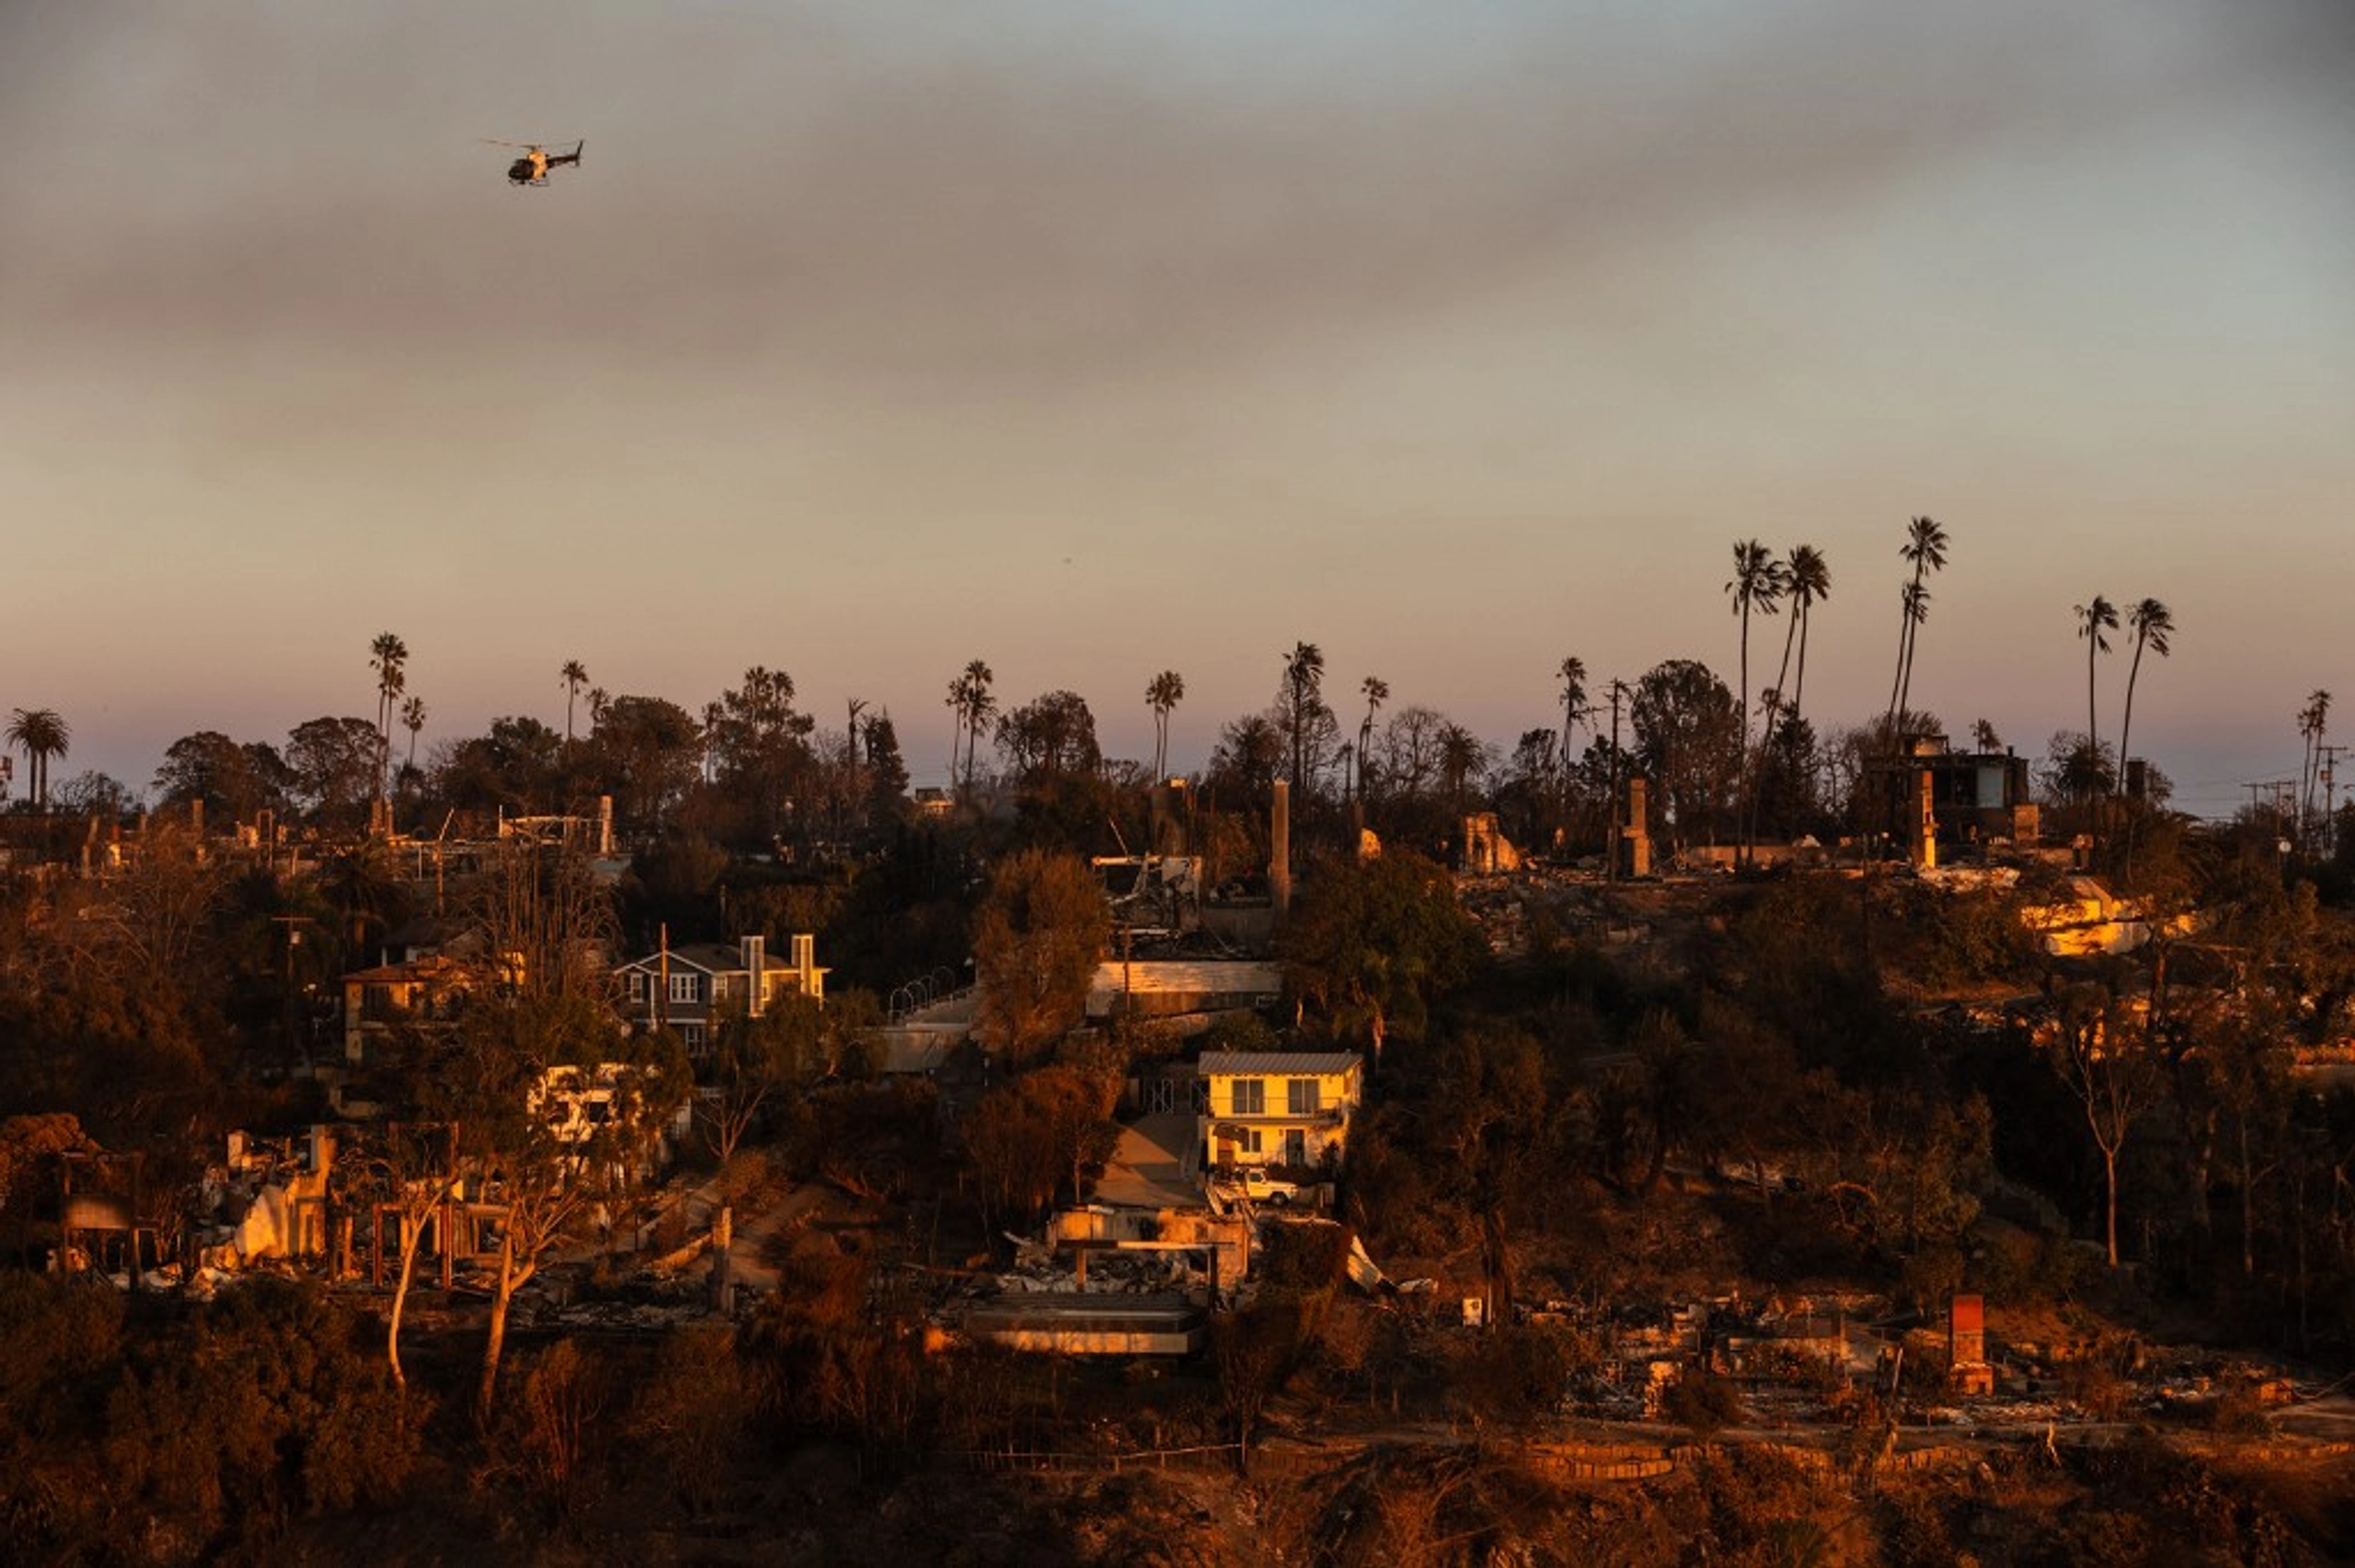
x=1377, y=691
x=2153, y=624
x=1809, y=579
x=2094, y=621
x=1161, y=694
x=575, y=675
x=969, y=696
x=1572, y=672
x=1913, y=608
x=715, y=720
x=1303, y=678
x=389, y=657
x=1757, y=584
x=1806, y=579
x=1925, y=547
x=40, y=733
x=413, y=720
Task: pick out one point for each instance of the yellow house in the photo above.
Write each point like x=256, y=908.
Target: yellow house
x=1277, y=1108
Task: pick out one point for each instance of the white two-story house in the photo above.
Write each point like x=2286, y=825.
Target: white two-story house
x=690, y=987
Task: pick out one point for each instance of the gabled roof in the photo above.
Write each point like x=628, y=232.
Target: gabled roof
x=712, y=957
x=1260, y=1064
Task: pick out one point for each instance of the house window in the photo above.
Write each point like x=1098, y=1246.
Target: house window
x=1305, y=1096
x=1250, y=1140
x=691, y=1035
x=1250, y=1096
x=638, y=985
x=683, y=988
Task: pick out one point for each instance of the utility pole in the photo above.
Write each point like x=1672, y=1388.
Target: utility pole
x=2285, y=801
x=2330, y=795
x=293, y=925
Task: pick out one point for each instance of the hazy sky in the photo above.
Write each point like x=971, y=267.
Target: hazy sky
x=1095, y=338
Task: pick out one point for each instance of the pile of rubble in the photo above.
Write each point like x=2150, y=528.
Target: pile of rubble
x=1568, y=905
x=1037, y=1271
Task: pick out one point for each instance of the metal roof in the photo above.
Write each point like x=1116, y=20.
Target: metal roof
x=1267, y=1064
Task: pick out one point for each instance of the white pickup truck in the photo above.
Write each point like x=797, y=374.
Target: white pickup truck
x=1254, y=1183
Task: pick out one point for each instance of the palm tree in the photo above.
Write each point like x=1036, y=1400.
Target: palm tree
x=1377, y=691
x=389, y=657
x=1462, y=760
x=40, y=733
x=1925, y=547
x=1808, y=578
x=715, y=719
x=1574, y=706
x=1161, y=694
x=2153, y=623
x=1757, y=584
x=1914, y=605
x=413, y=720
x=969, y=696
x=1304, y=676
x=575, y=675
x=2093, y=621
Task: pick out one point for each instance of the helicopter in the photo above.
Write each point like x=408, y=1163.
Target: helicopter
x=533, y=167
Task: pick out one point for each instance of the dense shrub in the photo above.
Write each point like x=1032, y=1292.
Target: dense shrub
x=1520, y=1372
x=694, y=1415
x=264, y=1402
x=1703, y=1402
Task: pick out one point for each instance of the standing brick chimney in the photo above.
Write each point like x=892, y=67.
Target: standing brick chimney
x=755, y=966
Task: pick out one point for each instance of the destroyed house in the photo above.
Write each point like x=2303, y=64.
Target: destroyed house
x=690, y=987
x=1278, y=1107
x=1935, y=800
x=1089, y=1324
